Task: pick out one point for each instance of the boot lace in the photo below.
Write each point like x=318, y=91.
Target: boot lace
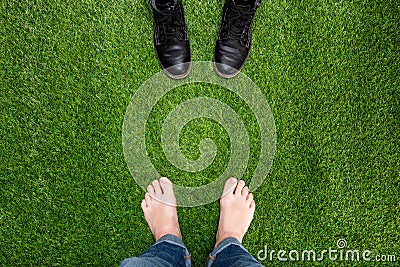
x=238, y=21
x=171, y=23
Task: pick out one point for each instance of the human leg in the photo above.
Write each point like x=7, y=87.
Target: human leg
x=168, y=251
x=230, y=252
x=159, y=208
x=237, y=210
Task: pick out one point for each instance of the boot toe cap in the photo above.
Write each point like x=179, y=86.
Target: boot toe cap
x=225, y=71
x=178, y=71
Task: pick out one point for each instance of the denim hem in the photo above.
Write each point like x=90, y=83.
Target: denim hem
x=173, y=240
x=220, y=247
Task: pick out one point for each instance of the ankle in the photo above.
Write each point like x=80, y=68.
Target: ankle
x=224, y=235
x=174, y=232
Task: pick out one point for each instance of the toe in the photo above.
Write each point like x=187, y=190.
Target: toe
x=166, y=185
x=245, y=191
x=249, y=197
x=157, y=188
x=148, y=199
x=143, y=204
x=239, y=187
x=253, y=205
x=150, y=189
x=229, y=186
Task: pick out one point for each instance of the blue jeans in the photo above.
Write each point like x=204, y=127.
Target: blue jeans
x=170, y=251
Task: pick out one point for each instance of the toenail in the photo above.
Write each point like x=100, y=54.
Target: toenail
x=165, y=179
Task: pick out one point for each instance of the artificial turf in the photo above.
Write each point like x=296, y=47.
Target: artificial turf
x=329, y=70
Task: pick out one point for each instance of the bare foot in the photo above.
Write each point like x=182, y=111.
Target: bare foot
x=237, y=210
x=159, y=208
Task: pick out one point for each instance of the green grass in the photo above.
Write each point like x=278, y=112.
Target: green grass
x=68, y=69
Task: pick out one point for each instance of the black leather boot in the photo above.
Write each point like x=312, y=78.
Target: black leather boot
x=234, y=37
x=171, y=41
